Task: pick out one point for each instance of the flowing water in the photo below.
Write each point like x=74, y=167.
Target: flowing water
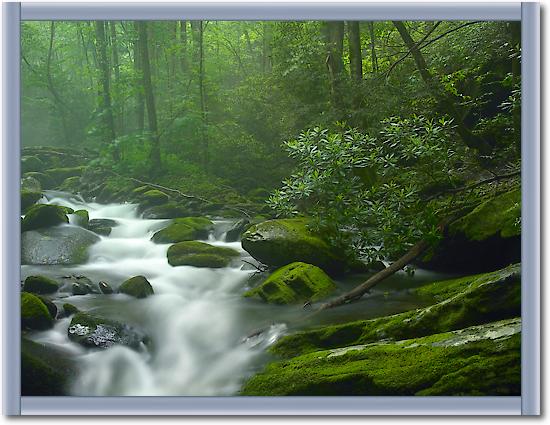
x=205, y=337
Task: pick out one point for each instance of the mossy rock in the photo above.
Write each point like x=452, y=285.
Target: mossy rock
x=71, y=184
x=34, y=313
x=200, y=254
x=477, y=361
x=463, y=302
x=153, y=197
x=44, y=215
x=81, y=218
x=40, y=285
x=102, y=226
x=31, y=184
x=137, y=286
x=114, y=189
x=294, y=283
x=50, y=305
x=170, y=209
x=70, y=309
x=44, y=370
x=46, y=182
x=28, y=199
x=284, y=241
x=99, y=332
x=60, y=174
x=488, y=238
x=237, y=229
x=184, y=229
x=31, y=163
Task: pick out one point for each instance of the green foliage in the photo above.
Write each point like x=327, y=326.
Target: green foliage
x=365, y=192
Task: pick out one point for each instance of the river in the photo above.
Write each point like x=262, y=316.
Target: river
x=198, y=322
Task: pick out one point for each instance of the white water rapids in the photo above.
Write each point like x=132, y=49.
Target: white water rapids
x=204, y=336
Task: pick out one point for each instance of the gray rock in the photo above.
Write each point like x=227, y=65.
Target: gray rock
x=56, y=245
x=235, y=232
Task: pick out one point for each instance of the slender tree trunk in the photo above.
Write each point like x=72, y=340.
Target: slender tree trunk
x=149, y=97
x=61, y=107
x=195, y=34
x=107, y=110
x=183, y=42
x=204, y=134
x=355, y=58
x=333, y=32
x=374, y=59
x=447, y=102
x=140, y=100
x=116, y=66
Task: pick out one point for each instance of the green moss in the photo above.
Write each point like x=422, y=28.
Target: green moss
x=500, y=215
x=46, y=182
x=40, y=285
x=184, y=229
x=60, y=174
x=43, y=215
x=29, y=198
x=442, y=364
x=294, y=283
x=31, y=163
x=70, y=184
x=170, y=209
x=283, y=241
x=82, y=218
x=70, y=309
x=34, y=313
x=137, y=286
x=199, y=254
x=462, y=302
x=154, y=197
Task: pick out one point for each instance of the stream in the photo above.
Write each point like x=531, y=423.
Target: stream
x=198, y=322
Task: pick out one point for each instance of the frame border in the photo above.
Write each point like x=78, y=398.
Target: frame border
x=527, y=404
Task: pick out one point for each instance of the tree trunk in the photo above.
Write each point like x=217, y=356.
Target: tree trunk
x=149, y=97
x=204, y=134
x=448, y=103
x=103, y=64
x=365, y=287
x=374, y=59
x=61, y=107
x=333, y=32
x=140, y=100
x=355, y=58
x=116, y=66
x=183, y=42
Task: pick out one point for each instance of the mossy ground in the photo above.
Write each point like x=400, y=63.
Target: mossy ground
x=481, y=360
x=200, y=254
x=461, y=302
x=294, y=283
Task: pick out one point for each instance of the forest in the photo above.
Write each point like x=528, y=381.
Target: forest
x=270, y=207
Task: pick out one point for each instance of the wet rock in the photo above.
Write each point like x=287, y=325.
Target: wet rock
x=480, y=360
x=46, y=182
x=294, y=283
x=69, y=309
x=200, y=254
x=31, y=163
x=45, y=371
x=137, y=286
x=184, y=229
x=153, y=197
x=70, y=184
x=98, y=332
x=284, y=241
x=52, y=308
x=168, y=210
x=105, y=288
x=31, y=184
x=34, y=313
x=28, y=199
x=40, y=285
x=44, y=215
x=56, y=245
x=235, y=232
x=102, y=226
x=82, y=218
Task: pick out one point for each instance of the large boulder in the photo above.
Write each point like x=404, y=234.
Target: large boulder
x=487, y=238
x=294, y=283
x=45, y=371
x=153, y=197
x=60, y=174
x=28, y=199
x=237, y=229
x=477, y=361
x=468, y=301
x=200, y=254
x=184, y=229
x=70, y=184
x=137, y=286
x=56, y=245
x=284, y=241
x=31, y=163
x=98, y=332
x=46, y=182
x=44, y=215
x=34, y=313
x=40, y=285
